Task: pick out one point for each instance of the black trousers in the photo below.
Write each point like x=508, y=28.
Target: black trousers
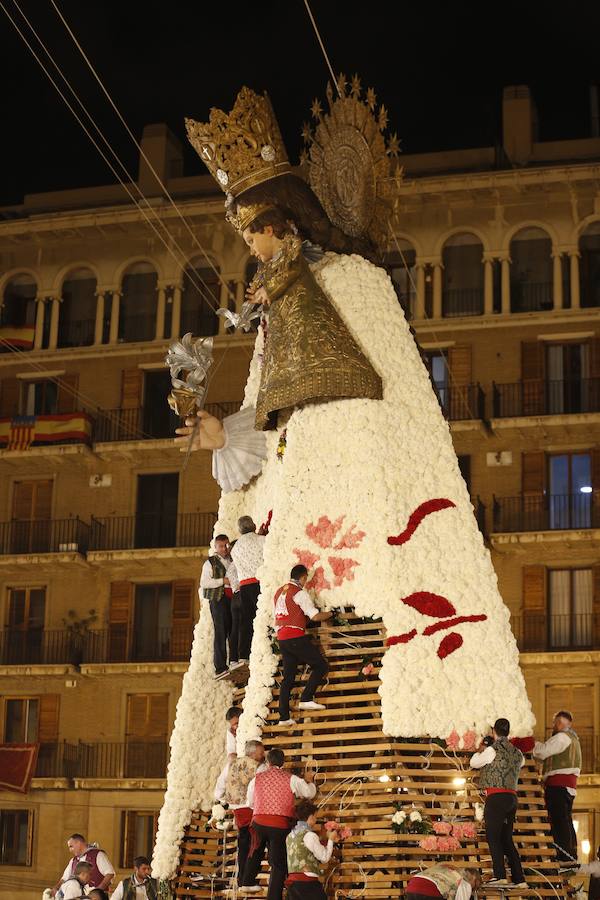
x=306, y=890
x=243, y=850
x=234, y=636
x=253, y=863
x=559, y=803
x=499, y=813
x=221, y=616
x=274, y=840
x=248, y=600
x=295, y=652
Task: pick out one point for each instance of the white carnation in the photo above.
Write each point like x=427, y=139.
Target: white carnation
x=416, y=816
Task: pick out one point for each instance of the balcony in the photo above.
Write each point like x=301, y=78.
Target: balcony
x=136, y=328
x=531, y=297
x=22, y=432
x=132, y=759
x=546, y=398
x=545, y=512
x=40, y=647
x=221, y=410
x=200, y=322
x=461, y=402
x=539, y=632
x=462, y=302
x=76, y=334
x=150, y=531
x=44, y=536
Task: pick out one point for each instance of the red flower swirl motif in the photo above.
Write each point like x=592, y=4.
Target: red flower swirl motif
x=325, y=533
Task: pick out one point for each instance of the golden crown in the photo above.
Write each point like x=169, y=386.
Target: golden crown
x=245, y=215
x=243, y=148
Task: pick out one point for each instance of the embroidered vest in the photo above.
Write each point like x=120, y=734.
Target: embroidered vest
x=570, y=758
x=241, y=772
x=299, y=857
x=503, y=772
x=89, y=856
x=287, y=612
x=151, y=885
x=273, y=795
x=445, y=879
x=218, y=571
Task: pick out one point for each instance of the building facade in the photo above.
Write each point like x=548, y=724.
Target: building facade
x=103, y=526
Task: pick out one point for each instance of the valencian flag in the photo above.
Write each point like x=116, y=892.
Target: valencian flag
x=17, y=766
x=13, y=337
x=20, y=432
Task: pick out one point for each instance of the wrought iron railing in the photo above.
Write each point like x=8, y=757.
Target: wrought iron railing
x=200, y=322
x=536, y=397
x=466, y=401
x=152, y=531
x=44, y=536
x=133, y=328
x=530, y=297
x=547, y=512
x=541, y=632
x=462, y=302
x=119, y=425
x=134, y=758
x=226, y=408
x=38, y=646
x=76, y=334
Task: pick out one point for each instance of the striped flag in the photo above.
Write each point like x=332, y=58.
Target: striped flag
x=21, y=433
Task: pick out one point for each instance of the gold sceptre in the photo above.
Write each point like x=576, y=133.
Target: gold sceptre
x=192, y=359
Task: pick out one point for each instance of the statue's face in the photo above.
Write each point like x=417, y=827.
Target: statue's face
x=263, y=244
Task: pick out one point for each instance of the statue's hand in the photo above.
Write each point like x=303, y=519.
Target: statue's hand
x=204, y=431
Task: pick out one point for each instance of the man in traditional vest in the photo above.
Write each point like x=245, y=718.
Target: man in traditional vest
x=294, y=608
x=247, y=554
x=306, y=855
x=218, y=581
x=271, y=795
x=74, y=888
x=238, y=775
x=500, y=763
x=139, y=886
x=561, y=754
x=443, y=881
x=103, y=870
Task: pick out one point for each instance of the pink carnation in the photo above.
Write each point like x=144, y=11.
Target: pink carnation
x=469, y=740
x=442, y=827
x=458, y=831
x=453, y=740
x=345, y=833
x=429, y=843
x=332, y=825
x=448, y=844
x=368, y=669
x=469, y=831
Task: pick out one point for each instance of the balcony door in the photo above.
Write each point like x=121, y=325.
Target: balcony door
x=570, y=605
x=25, y=626
x=30, y=720
x=159, y=420
x=580, y=700
x=567, y=378
x=156, y=510
x=31, y=511
x=146, y=735
x=570, y=490
x=151, y=621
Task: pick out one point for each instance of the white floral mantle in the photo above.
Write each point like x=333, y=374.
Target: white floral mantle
x=355, y=473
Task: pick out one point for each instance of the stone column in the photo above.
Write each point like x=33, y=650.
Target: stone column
x=160, y=313
x=575, y=290
x=99, y=324
x=420, y=298
x=557, y=282
x=488, y=286
x=437, y=290
x=505, y=286
x=54, y=314
x=113, y=335
x=176, y=311
x=39, y=323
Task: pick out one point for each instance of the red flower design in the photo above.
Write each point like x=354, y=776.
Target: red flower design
x=430, y=604
x=342, y=569
x=449, y=644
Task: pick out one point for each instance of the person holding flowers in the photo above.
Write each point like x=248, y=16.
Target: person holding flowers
x=306, y=855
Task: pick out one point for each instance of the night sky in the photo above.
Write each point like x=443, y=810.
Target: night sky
x=438, y=67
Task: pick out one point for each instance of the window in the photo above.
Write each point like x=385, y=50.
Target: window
x=152, y=621
x=570, y=605
x=567, y=378
x=40, y=398
x=18, y=310
x=159, y=420
x=580, y=700
x=570, y=500
x=583, y=823
x=138, y=832
x=200, y=299
x=156, y=511
x=137, y=311
x=437, y=365
x=531, y=271
x=25, y=625
x=78, y=309
x=462, y=257
x=401, y=269
x=21, y=721
x=16, y=833
x=589, y=266
x=146, y=737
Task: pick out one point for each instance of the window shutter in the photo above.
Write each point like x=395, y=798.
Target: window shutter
x=128, y=845
x=22, y=505
x=158, y=715
x=67, y=400
x=147, y=716
x=534, y=608
x=459, y=364
x=131, y=388
x=42, y=502
x=119, y=619
x=10, y=395
x=595, y=359
x=596, y=605
x=532, y=376
x=182, y=618
x=49, y=711
x=533, y=472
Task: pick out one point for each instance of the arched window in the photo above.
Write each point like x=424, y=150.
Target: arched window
x=78, y=309
x=531, y=271
x=17, y=314
x=200, y=299
x=462, y=284
x=589, y=265
x=137, y=311
x=400, y=266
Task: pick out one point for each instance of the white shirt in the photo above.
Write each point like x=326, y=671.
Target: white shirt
x=323, y=854
x=298, y=786
x=74, y=888
x=555, y=744
x=206, y=577
x=140, y=891
x=485, y=757
x=105, y=867
x=247, y=554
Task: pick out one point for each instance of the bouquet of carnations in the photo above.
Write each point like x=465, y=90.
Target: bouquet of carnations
x=410, y=821
x=219, y=817
x=447, y=836
x=343, y=832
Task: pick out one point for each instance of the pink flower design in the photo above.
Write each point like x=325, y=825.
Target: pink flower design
x=306, y=558
x=453, y=740
x=469, y=831
x=324, y=532
x=318, y=582
x=469, y=739
x=448, y=844
x=429, y=843
x=442, y=827
x=342, y=569
x=458, y=831
x=350, y=539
